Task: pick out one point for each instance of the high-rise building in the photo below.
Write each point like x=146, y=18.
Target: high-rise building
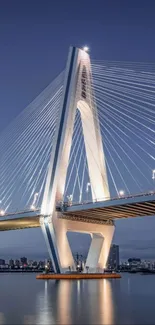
x=11, y=263
x=41, y=264
x=17, y=263
x=23, y=261
x=34, y=264
x=113, y=260
x=2, y=262
x=30, y=262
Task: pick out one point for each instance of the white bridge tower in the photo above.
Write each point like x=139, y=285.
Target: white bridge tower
x=54, y=225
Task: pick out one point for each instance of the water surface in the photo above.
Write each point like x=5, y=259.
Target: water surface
x=25, y=300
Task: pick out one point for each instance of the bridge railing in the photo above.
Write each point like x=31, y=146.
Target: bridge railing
x=18, y=212
x=63, y=205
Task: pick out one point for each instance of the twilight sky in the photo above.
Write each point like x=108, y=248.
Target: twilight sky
x=34, y=40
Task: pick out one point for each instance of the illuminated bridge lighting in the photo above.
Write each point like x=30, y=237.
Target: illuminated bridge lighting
x=86, y=48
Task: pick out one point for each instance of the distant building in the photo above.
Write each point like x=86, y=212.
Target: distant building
x=2, y=262
x=30, y=262
x=23, y=261
x=11, y=263
x=134, y=262
x=41, y=264
x=48, y=263
x=113, y=259
x=17, y=263
x=34, y=264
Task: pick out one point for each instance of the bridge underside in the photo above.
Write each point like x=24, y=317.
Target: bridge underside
x=21, y=222
x=131, y=207
x=100, y=212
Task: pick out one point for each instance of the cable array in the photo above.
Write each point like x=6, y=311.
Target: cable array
x=25, y=149
x=77, y=180
x=125, y=98
x=122, y=96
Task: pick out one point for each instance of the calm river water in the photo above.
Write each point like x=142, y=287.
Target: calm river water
x=25, y=300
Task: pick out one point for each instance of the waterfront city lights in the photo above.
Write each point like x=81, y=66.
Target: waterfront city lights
x=86, y=48
x=121, y=193
x=2, y=212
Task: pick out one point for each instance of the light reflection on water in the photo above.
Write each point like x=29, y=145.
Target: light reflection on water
x=2, y=318
x=25, y=300
x=75, y=300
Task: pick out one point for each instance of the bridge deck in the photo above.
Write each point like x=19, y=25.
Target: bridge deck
x=137, y=206
x=102, y=211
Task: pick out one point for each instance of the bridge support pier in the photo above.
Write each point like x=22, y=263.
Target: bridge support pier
x=101, y=234
x=100, y=247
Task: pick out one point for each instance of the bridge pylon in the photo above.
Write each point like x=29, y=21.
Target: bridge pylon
x=77, y=94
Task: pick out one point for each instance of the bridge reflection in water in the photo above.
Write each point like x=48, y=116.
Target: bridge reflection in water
x=125, y=301
x=76, y=302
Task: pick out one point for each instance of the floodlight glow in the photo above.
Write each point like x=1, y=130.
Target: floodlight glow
x=86, y=48
x=2, y=212
x=121, y=192
x=33, y=207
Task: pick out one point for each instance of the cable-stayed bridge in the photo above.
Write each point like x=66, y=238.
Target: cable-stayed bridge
x=76, y=157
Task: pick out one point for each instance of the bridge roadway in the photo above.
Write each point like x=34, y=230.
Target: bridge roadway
x=98, y=212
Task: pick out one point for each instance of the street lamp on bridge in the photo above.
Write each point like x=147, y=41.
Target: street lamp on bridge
x=2, y=212
x=33, y=207
x=86, y=48
x=87, y=189
x=153, y=174
x=121, y=193
x=70, y=199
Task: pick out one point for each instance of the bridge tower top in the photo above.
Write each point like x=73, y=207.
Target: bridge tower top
x=77, y=94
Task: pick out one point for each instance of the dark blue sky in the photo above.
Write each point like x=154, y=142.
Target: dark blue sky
x=34, y=40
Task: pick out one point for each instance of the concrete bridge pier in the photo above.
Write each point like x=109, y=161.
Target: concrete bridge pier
x=101, y=235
